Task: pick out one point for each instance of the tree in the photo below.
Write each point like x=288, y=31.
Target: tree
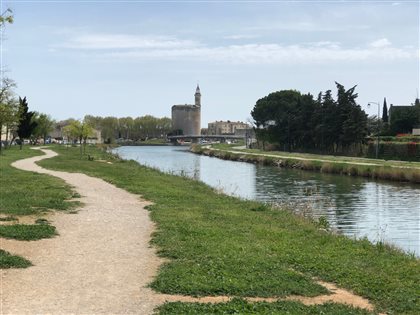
x=6, y=17
x=296, y=121
x=26, y=125
x=164, y=126
x=80, y=130
x=125, y=126
x=67, y=132
x=8, y=107
x=7, y=104
x=385, y=112
x=45, y=124
x=352, y=117
x=109, y=129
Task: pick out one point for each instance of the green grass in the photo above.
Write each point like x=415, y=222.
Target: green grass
x=7, y=261
x=220, y=245
x=332, y=158
x=24, y=192
x=238, y=306
x=27, y=193
x=27, y=232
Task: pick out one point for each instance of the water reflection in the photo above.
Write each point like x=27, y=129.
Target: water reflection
x=381, y=211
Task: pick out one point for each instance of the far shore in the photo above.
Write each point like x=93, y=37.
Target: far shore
x=401, y=171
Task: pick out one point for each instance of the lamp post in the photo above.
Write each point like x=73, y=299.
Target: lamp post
x=377, y=136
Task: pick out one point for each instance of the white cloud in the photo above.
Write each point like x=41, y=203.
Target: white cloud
x=305, y=26
x=140, y=48
x=121, y=41
x=380, y=43
x=267, y=54
x=240, y=36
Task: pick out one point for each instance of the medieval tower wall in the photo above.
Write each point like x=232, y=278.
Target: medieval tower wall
x=188, y=117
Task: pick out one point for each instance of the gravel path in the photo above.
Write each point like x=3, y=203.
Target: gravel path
x=99, y=264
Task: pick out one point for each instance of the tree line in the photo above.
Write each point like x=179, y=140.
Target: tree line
x=16, y=121
x=299, y=122
x=130, y=129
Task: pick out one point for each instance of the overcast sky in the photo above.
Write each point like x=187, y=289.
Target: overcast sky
x=132, y=58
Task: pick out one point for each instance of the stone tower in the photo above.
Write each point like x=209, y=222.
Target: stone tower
x=187, y=118
x=197, y=96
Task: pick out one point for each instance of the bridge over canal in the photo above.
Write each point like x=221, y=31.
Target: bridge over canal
x=221, y=138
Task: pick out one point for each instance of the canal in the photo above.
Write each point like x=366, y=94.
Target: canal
x=357, y=207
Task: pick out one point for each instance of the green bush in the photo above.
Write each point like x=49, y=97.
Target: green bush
x=406, y=151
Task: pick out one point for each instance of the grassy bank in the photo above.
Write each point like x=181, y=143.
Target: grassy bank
x=220, y=245
x=239, y=306
x=370, y=168
x=26, y=193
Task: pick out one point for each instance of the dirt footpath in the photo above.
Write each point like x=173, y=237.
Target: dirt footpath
x=99, y=264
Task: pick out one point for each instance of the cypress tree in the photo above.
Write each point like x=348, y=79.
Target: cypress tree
x=26, y=124
x=385, y=112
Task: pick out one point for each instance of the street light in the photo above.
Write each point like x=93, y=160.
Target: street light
x=377, y=137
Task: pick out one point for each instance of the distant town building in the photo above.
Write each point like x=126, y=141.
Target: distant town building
x=396, y=109
x=186, y=119
x=404, y=118
x=227, y=128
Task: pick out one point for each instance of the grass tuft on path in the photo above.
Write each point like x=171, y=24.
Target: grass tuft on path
x=8, y=260
x=219, y=245
x=26, y=232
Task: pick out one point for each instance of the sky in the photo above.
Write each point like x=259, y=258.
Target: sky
x=132, y=58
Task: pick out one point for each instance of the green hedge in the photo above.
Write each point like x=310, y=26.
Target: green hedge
x=406, y=151
x=409, y=138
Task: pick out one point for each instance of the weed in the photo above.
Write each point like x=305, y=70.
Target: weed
x=323, y=223
x=42, y=221
x=8, y=218
x=24, y=232
x=8, y=260
x=260, y=208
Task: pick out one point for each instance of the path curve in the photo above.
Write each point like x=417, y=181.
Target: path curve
x=100, y=263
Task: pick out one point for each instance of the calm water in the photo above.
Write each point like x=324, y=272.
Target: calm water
x=381, y=211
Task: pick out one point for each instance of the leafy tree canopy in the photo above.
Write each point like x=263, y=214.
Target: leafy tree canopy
x=297, y=121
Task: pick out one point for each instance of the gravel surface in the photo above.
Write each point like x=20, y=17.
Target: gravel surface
x=100, y=263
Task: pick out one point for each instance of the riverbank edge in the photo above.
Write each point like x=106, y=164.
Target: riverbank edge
x=142, y=180
x=331, y=167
